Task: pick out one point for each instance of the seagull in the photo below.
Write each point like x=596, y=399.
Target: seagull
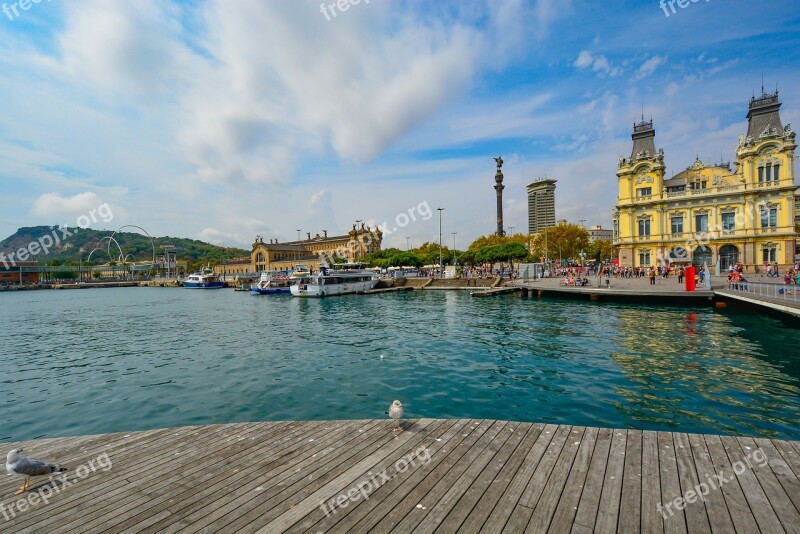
x=396, y=413
x=28, y=467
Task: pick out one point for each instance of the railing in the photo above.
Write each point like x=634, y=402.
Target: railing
x=775, y=291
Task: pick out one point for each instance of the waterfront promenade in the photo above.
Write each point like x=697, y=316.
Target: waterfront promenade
x=434, y=475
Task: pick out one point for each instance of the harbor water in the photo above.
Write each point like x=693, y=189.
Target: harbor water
x=104, y=360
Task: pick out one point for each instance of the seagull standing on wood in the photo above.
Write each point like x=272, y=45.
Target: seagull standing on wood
x=28, y=467
x=396, y=413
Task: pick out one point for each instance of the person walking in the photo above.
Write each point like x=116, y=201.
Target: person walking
x=680, y=275
x=652, y=276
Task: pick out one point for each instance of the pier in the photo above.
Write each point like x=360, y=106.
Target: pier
x=442, y=475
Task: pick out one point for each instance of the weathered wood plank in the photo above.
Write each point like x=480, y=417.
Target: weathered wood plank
x=630, y=506
x=786, y=477
x=548, y=502
x=695, y=510
x=496, y=490
x=741, y=515
x=772, y=512
x=671, y=497
x=718, y=516
x=608, y=513
x=505, y=507
x=586, y=515
x=652, y=517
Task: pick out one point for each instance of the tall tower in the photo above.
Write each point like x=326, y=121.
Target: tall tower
x=541, y=205
x=498, y=178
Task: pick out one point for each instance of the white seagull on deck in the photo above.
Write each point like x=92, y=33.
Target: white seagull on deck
x=28, y=467
x=396, y=413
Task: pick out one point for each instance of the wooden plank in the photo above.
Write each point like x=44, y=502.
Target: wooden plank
x=457, y=490
x=101, y=481
x=268, y=467
x=343, y=481
x=652, y=519
x=564, y=516
x=695, y=510
x=741, y=515
x=459, y=445
x=505, y=507
x=789, y=455
x=480, y=484
x=771, y=512
x=718, y=516
x=559, y=477
x=440, y=493
x=386, y=496
x=521, y=515
x=786, y=477
x=483, y=509
x=586, y=515
x=608, y=513
x=675, y=520
x=784, y=493
x=630, y=506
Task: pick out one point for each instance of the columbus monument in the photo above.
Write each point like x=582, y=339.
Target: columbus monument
x=498, y=178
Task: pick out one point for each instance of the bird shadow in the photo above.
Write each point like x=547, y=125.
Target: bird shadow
x=52, y=484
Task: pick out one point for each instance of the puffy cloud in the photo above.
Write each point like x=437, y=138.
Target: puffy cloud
x=598, y=63
x=54, y=206
x=649, y=67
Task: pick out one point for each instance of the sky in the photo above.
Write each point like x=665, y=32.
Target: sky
x=221, y=120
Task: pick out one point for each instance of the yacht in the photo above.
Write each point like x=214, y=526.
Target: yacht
x=203, y=279
x=349, y=278
x=272, y=283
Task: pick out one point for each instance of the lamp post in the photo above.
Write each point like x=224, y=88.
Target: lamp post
x=454, y=247
x=440, y=210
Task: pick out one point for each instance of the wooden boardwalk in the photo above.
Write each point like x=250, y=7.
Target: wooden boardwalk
x=436, y=475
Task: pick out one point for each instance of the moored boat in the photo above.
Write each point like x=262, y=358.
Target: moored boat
x=273, y=283
x=350, y=278
x=203, y=279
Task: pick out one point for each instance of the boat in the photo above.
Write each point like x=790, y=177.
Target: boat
x=349, y=278
x=272, y=283
x=203, y=279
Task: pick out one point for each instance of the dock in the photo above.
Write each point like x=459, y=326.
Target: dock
x=443, y=475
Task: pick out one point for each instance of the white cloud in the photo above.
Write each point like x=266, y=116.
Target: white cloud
x=649, y=67
x=598, y=63
x=54, y=206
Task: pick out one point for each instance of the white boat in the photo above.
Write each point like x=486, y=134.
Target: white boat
x=203, y=280
x=348, y=279
x=272, y=283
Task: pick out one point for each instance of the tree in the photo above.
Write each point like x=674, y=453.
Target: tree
x=405, y=259
x=494, y=239
x=429, y=253
x=570, y=238
x=604, y=246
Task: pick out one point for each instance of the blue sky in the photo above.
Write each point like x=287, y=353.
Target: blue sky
x=220, y=120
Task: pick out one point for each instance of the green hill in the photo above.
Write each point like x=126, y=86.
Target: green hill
x=77, y=246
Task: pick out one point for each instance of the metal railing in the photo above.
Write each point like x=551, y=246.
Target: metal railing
x=789, y=293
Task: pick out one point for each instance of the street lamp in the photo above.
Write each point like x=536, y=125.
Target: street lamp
x=440, y=210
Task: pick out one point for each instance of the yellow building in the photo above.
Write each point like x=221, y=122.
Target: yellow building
x=311, y=252
x=710, y=213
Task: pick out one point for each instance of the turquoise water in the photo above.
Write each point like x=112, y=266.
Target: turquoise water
x=103, y=360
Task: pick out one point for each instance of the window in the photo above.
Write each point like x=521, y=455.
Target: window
x=644, y=227
x=677, y=224
x=760, y=174
x=729, y=221
x=697, y=183
x=769, y=254
x=616, y=229
x=701, y=223
x=776, y=172
x=769, y=217
x=644, y=191
x=644, y=258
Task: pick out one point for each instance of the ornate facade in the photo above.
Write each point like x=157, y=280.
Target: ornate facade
x=353, y=246
x=711, y=213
